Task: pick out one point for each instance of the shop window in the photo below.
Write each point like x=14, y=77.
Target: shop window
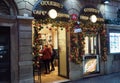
x=90, y=44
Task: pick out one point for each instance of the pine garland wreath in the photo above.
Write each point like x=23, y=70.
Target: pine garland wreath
x=38, y=25
x=104, y=43
x=77, y=40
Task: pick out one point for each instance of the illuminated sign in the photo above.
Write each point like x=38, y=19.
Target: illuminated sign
x=51, y=3
x=114, y=42
x=74, y=17
x=77, y=30
x=41, y=10
x=93, y=10
x=88, y=11
x=90, y=64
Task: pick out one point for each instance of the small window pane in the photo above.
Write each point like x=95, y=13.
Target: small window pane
x=86, y=45
x=90, y=45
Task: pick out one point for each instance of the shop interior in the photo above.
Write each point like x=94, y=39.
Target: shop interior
x=46, y=34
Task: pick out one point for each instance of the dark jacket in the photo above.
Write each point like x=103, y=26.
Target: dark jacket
x=53, y=53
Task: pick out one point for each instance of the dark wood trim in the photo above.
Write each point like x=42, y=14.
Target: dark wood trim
x=11, y=22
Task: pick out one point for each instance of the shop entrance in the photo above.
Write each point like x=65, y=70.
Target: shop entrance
x=55, y=36
x=4, y=55
x=62, y=52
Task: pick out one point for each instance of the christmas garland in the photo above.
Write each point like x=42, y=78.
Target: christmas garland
x=77, y=40
x=39, y=25
x=77, y=43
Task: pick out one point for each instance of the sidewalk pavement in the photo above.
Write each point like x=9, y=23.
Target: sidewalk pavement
x=109, y=78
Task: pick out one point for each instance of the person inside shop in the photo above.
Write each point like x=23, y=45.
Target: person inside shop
x=53, y=55
x=46, y=58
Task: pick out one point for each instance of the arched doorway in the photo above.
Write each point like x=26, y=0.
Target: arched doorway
x=51, y=31
x=8, y=65
x=86, y=42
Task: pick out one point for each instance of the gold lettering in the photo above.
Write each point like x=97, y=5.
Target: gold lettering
x=84, y=17
x=63, y=15
x=51, y=3
x=47, y=2
x=91, y=10
x=39, y=12
x=100, y=19
x=43, y=3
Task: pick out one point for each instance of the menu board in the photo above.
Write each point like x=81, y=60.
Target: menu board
x=114, y=42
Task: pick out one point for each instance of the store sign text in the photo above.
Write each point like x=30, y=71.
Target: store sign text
x=40, y=12
x=93, y=10
x=83, y=17
x=86, y=11
x=51, y=3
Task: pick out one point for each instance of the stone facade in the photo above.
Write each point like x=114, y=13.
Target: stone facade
x=21, y=38
x=21, y=68
x=113, y=60
x=73, y=6
x=109, y=11
x=25, y=49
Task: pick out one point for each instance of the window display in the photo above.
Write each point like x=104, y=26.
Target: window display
x=91, y=64
x=114, y=42
x=90, y=44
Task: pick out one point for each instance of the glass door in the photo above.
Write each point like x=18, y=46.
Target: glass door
x=62, y=52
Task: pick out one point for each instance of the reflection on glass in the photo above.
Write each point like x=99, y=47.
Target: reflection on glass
x=90, y=45
x=86, y=45
x=114, y=42
x=90, y=65
x=95, y=45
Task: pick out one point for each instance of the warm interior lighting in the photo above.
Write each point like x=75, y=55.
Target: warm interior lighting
x=93, y=18
x=52, y=13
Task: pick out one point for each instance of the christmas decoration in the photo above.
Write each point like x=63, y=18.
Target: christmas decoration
x=38, y=25
x=36, y=43
x=103, y=36
x=77, y=39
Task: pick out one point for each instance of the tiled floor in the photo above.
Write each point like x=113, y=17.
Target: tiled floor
x=50, y=78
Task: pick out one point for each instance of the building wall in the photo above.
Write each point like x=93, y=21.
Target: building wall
x=109, y=11
x=25, y=49
x=73, y=6
x=25, y=6
x=113, y=61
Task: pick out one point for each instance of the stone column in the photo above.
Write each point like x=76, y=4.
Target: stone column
x=25, y=49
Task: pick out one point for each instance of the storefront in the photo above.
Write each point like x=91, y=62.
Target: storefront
x=87, y=41
x=50, y=27
x=86, y=47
